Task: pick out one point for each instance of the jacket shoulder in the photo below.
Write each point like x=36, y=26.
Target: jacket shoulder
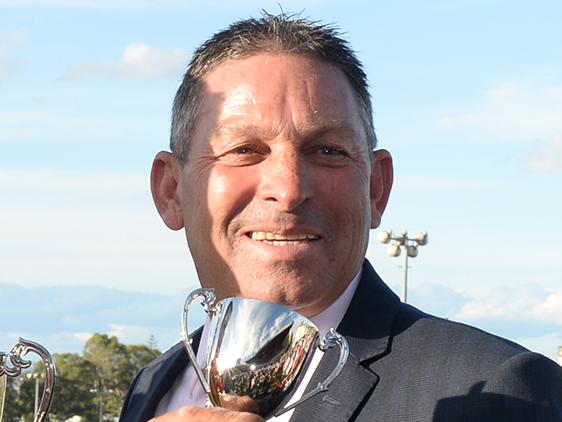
x=467, y=373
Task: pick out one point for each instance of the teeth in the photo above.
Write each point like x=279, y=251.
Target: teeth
x=258, y=235
x=280, y=239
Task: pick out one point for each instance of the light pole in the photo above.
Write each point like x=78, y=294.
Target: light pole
x=36, y=376
x=98, y=389
x=100, y=395
x=410, y=245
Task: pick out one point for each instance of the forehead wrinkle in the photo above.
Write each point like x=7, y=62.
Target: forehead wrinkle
x=313, y=128
x=238, y=129
x=242, y=126
x=237, y=99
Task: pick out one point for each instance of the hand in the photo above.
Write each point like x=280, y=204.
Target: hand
x=212, y=414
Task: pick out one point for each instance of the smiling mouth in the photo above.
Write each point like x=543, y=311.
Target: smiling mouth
x=277, y=239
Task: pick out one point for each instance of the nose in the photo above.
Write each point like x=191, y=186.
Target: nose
x=285, y=180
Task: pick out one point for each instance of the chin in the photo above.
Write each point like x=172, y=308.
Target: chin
x=303, y=298
x=293, y=287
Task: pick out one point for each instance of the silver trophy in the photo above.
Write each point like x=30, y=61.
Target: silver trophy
x=11, y=365
x=256, y=352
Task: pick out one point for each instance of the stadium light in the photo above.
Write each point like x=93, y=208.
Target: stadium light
x=410, y=245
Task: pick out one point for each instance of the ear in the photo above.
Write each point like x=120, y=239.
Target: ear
x=381, y=183
x=164, y=184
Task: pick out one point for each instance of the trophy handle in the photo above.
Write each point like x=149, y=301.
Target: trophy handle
x=209, y=298
x=331, y=339
x=22, y=348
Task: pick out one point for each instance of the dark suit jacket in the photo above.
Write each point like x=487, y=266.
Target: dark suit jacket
x=404, y=366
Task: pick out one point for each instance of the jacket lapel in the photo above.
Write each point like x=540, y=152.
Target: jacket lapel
x=366, y=325
x=154, y=382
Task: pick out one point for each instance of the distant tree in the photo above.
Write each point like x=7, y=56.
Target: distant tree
x=100, y=376
x=139, y=356
x=12, y=405
x=152, y=344
x=75, y=388
x=111, y=361
x=26, y=392
x=116, y=365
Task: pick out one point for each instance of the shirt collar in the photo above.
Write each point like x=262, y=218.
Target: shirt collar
x=333, y=314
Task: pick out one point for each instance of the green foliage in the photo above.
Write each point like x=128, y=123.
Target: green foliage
x=96, y=380
x=113, y=370
x=140, y=355
x=74, y=390
x=13, y=407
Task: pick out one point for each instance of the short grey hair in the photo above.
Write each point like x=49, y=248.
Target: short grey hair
x=283, y=33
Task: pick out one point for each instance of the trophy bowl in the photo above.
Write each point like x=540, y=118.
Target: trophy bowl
x=257, y=352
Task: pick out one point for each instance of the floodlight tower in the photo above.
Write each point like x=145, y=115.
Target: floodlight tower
x=395, y=248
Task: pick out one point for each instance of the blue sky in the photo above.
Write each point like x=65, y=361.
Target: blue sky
x=467, y=97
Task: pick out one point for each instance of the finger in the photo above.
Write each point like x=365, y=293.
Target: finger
x=239, y=403
x=213, y=414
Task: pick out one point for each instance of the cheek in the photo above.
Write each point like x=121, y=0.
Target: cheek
x=218, y=185
x=346, y=189
x=349, y=198
x=229, y=190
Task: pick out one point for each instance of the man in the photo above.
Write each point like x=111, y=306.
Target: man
x=275, y=178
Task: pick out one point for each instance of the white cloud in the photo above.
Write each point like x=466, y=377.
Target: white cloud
x=441, y=183
x=88, y=228
x=43, y=126
x=546, y=344
x=82, y=336
x=76, y=312
x=58, y=342
x=520, y=110
x=138, y=61
x=550, y=309
x=130, y=333
x=548, y=158
x=8, y=43
x=525, y=313
x=528, y=302
x=68, y=181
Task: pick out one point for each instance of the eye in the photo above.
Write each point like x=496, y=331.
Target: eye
x=243, y=155
x=330, y=153
x=244, y=150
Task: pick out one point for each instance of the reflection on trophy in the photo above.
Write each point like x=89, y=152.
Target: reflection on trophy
x=257, y=352
x=11, y=365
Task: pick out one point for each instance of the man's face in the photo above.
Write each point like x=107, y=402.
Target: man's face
x=276, y=194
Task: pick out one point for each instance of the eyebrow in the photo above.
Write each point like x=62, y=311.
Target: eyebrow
x=311, y=130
